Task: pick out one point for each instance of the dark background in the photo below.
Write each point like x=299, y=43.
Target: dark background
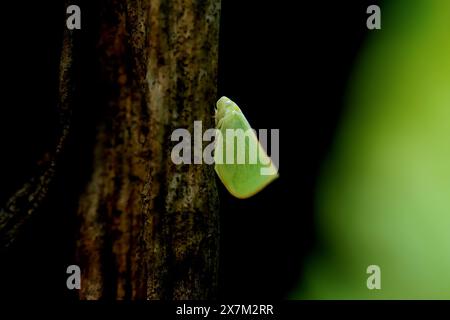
x=285, y=64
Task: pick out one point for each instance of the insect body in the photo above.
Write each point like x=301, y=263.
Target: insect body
x=241, y=162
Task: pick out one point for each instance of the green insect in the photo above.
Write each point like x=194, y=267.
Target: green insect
x=241, y=162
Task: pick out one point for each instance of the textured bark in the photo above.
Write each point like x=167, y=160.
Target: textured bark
x=149, y=228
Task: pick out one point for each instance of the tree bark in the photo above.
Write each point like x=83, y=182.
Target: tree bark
x=149, y=228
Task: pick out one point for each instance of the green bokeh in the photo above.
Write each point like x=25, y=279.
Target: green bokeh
x=384, y=192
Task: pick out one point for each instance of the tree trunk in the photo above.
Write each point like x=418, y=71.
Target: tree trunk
x=149, y=228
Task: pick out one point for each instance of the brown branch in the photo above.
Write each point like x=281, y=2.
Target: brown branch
x=25, y=201
x=149, y=228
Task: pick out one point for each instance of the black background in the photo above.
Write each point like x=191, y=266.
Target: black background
x=286, y=64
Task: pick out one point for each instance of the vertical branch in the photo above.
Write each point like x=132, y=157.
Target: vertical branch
x=110, y=210
x=148, y=228
x=181, y=212
x=25, y=201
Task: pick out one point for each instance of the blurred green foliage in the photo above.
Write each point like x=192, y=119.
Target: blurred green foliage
x=384, y=192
